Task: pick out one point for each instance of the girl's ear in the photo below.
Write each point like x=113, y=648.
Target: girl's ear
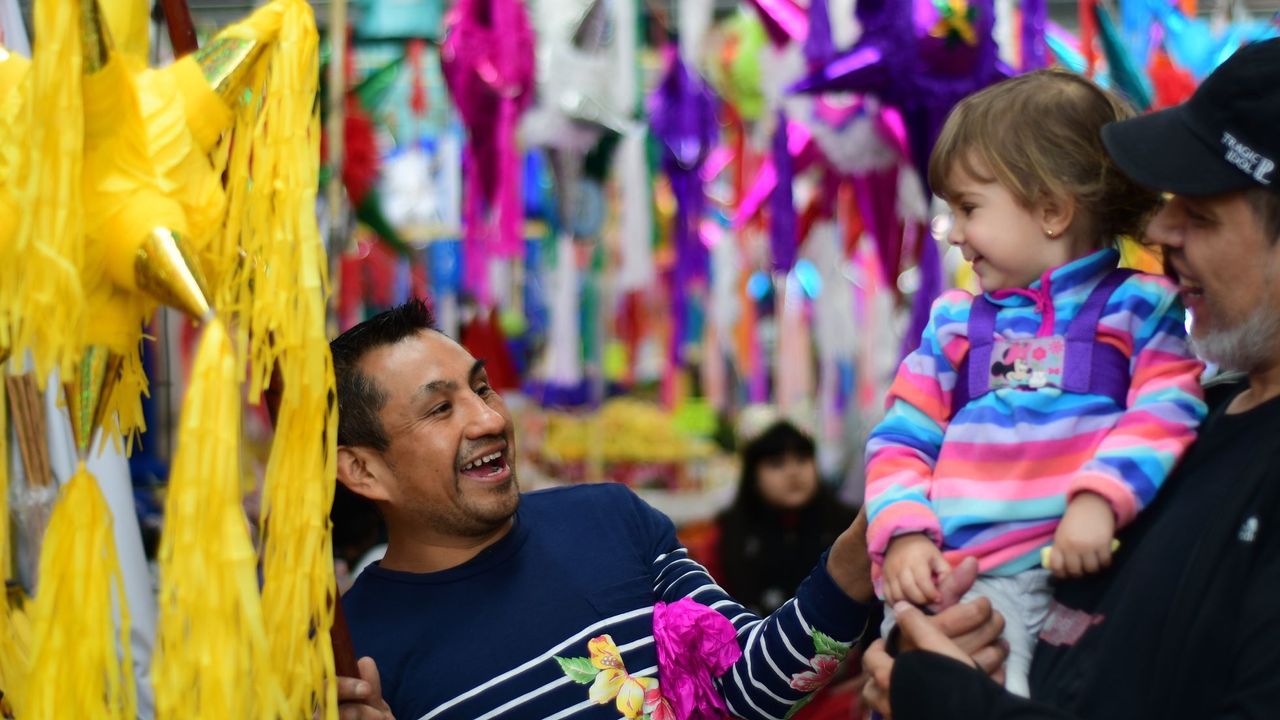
x=1056, y=212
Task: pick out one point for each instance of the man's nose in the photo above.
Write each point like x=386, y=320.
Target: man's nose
x=1166, y=226
x=484, y=419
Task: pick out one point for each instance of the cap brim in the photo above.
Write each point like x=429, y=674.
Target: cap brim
x=1162, y=152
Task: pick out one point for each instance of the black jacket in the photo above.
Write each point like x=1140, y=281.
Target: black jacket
x=1186, y=624
x=764, y=554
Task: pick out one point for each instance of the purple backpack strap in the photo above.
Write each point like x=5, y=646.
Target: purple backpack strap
x=973, y=377
x=1092, y=366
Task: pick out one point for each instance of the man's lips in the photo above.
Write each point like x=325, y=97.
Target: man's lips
x=1187, y=287
x=487, y=463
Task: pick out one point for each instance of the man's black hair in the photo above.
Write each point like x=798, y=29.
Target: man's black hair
x=360, y=398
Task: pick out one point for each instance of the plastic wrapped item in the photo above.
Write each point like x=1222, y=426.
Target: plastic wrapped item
x=32, y=491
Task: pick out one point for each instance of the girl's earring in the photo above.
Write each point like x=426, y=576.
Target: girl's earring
x=1048, y=233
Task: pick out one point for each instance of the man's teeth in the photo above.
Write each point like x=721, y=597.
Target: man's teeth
x=481, y=461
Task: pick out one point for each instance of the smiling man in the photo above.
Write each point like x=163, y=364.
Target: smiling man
x=445, y=485
x=491, y=603
x=1186, y=623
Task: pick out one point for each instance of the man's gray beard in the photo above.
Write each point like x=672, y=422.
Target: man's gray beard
x=1245, y=347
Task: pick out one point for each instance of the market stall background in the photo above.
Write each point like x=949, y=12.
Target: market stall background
x=620, y=303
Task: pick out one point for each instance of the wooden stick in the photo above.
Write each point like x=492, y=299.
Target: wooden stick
x=27, y=407
x=344, y=653
x=182, y=32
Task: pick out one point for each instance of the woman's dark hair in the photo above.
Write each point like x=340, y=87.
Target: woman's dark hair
x=782, y=439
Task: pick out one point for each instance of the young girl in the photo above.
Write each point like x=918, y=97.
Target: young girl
x=1047, y=411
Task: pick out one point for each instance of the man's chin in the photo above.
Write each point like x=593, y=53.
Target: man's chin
x=497, y=495
x=1244, y=348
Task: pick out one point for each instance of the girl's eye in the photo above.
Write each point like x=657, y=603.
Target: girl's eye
x=484, y=390
x=967, y=209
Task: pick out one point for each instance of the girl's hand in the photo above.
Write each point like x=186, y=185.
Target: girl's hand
x=910, y=564
x=1082, y=543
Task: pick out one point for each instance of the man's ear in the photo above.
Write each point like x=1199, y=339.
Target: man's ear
x=1056, y=213
x=363, y=471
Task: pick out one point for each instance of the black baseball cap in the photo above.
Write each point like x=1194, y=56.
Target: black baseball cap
x=1226, y=137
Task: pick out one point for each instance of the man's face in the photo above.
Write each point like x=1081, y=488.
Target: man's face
x=450, y=466
x=1227, y=271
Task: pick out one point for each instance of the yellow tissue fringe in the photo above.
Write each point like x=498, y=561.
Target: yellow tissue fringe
x=13, y=78
x=263, y=253
x=130, y=24
x=233, y=253
x=298, y=591
x=114, y=320
x=46, y=314
x=13, y=649
x=124, y=200
x=185, y=171
x=210, y=656
x=6, y=558
x=76, y=666
x=283, y=288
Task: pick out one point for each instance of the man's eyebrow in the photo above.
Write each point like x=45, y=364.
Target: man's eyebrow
x=436, y=386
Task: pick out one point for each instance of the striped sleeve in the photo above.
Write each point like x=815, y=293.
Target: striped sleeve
x=1165, y=401
x=903, y=448
x=785, y=656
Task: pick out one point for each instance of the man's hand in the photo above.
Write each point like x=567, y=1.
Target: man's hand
x=910, y=564
x=968, y=632
x=975, y=627
x=849, y=565
x=1082, y=542
x=361, y=698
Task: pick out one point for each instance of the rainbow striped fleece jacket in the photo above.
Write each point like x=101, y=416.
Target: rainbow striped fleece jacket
x=992, y=479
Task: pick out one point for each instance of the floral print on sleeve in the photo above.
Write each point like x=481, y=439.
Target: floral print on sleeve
x=635, y=697
x=829, y=653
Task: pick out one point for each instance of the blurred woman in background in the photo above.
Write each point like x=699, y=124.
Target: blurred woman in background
x=782, y=520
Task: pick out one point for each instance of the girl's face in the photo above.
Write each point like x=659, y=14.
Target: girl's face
x=787, y=482
x=1005, y=241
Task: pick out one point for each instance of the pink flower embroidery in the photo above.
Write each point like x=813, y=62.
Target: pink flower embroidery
x=1039, y=353
x=824, y=666
x=656, y=706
